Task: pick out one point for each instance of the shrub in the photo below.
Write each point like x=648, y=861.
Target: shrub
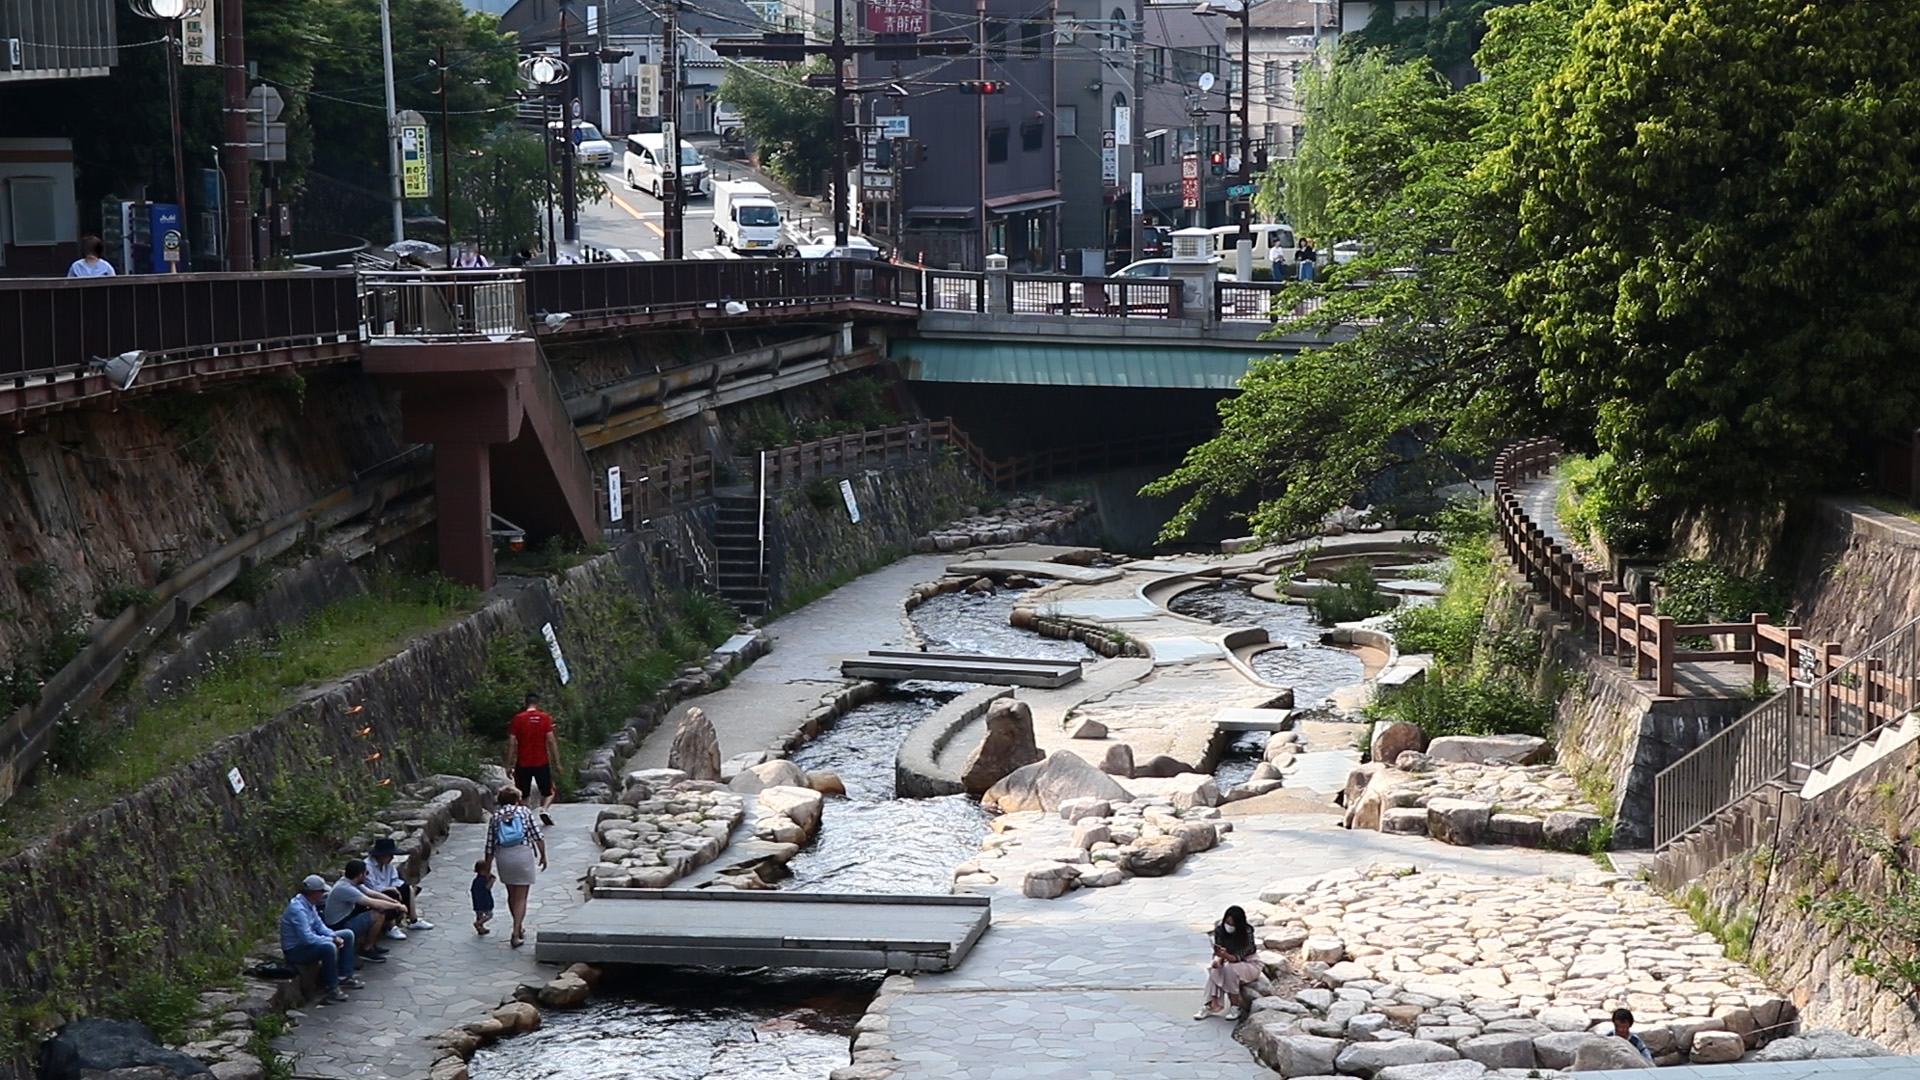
x=1353, y=593
x=119, y=597
x=1591, y=504
x=36, y=578
x=1697, y=591
x=1455, y=704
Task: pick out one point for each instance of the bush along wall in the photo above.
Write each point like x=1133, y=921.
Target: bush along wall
x=162, y=892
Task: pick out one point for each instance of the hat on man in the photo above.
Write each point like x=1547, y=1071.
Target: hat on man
x=385, y=846
x=314, y=883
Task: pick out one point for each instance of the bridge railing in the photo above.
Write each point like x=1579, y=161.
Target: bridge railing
x=53, y=326
x=601, y=292
x=443, y=305
x=1032, y=294
x=953, y=290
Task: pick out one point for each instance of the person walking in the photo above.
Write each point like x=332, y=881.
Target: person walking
x=92, y=261
x=482, y=897
x=514, y=843
x=533, y=751
x=1233, y=964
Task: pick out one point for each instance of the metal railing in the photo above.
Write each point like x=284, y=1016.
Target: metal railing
x=1829, y=710
x=594, y=295
x=1117, y=297
x=443, y=305
x=953, y=290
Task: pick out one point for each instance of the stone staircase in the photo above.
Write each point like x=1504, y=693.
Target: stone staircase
x=739, y=576
x=1847, y=765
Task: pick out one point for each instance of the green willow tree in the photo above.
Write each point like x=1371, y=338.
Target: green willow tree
x=1432, y=366
x=1720, y=214
x=791, y=124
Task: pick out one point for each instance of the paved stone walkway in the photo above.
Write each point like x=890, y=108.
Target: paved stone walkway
x=1102, y=983
x=1880, y=1068
x=445, y=976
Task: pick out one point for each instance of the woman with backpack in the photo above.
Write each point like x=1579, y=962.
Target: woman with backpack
x=514, y=843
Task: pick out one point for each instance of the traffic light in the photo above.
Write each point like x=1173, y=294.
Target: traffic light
x=1219, y=163
x=982, y=86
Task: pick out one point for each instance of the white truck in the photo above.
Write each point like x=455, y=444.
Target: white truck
x=745, y=217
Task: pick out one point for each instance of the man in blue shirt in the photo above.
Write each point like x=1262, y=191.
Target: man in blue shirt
x=305, y=939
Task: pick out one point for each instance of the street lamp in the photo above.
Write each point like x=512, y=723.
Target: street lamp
x=543, y=72
x=173, y=12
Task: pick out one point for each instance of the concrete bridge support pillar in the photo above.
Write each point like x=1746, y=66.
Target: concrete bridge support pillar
x=463, y=511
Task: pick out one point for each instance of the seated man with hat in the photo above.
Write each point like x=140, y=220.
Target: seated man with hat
x=305, y=939
x=383, y=877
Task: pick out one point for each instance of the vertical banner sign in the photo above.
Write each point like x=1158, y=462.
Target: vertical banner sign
x=646, y=90
x=196, y=42
x=616, y=508
x=897, y=16
x=1190, y=181
x=853, y=508
x=1123, y=124
x=1109, y=159
x=553, y=646
x=413, y=161
x=165, y=236
x=1139, y=193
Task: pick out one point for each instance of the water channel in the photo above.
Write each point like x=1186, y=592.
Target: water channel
x=672, y=1024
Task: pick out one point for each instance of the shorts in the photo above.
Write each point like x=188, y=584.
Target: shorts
x=526, y=776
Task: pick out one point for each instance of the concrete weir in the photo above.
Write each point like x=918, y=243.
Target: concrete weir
x=762, y=929
x=894, y=665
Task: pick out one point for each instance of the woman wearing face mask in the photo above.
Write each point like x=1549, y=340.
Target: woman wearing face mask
x=1233, y=963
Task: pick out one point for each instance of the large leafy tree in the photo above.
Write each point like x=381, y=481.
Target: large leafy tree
x=1720, y=209
x=1430, y=364
x=791, y=124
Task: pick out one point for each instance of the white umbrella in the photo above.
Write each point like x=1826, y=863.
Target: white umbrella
x=412, y=247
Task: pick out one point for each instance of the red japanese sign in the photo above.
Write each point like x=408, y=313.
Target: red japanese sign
x=897, y=16
x=1190, y=181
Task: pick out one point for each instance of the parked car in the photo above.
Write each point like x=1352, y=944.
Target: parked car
x=1159, y=268
x=1273, y=244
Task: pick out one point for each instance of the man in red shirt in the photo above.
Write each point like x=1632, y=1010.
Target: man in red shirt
x=533, y=752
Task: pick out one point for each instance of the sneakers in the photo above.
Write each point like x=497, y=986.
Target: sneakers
x=335, y=997
x=396, y=933
x=545, y=819
x=371, y=958
x=417, y=924
x=1205, y=1012
x=354, y=982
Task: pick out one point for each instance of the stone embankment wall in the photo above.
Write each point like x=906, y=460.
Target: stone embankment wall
x=813, y=542
x=1612, y=733
x=1859, y=574
x=186, y=865
x=1786, y=852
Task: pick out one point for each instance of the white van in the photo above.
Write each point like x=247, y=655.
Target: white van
x=1271, y=241
x=645, y=156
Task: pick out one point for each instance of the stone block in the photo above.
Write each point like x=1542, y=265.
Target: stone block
x=1153, y=857
x=1292, y=1055
x=1501, y=1050
x=1458, y=821
x=1517, y=830
x=1404, y=821
x=1326, y=950
x=1433, y=1070
x=1717, y=1047
x=1687, y=1028
x=1481, y=749
x=1315, y=998
x=1604, y=1053
x=1344, y=972
x=1368, y=1059
x=1189, y=790
x=1565, y=1019
x=1118, y=760
x=1283, y=939
x=1446, y=1034
x=1571, y=830
x=1362, y=1026
x=1088, y=833
x=1739, y=1021
x=1556, y=1050
x=1089, y=729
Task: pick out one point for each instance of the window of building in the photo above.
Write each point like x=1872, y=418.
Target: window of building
x=1121, y=35
x=1156, y=63
x=997, y=237
x=1066, y=121
x=1210, y=58
x=1033, y=38
x=1186, y=140
x=1032, y=134
x=1213, y=139
x=1157, y=149
x=996, y=144
x=996, y=39
x=1275, y=80
x=32, y=199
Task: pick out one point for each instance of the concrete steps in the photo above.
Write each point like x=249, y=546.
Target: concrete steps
x=738, y=575
x=1890, y=739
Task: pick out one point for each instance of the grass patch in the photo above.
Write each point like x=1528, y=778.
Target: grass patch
x=1353, y=593
x=1735, y=933
x=1891, y=505
x=105, y=757
x=557, y=555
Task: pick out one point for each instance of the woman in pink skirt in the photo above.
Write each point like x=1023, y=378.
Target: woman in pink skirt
x=1233, y=964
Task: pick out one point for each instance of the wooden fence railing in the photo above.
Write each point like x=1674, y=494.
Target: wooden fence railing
x=1652, y=644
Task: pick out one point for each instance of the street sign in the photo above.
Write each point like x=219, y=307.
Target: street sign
x=895, y=127
x=196, y=41
x=1139, y=193
x=646, y=90
x=1190, y=181
x=897, y=16
x=1123, y=125
x=876, y=181
x=1109, y=158
x=413, y=162
x=616, y=509
x=1240, y=191
x=163, y=232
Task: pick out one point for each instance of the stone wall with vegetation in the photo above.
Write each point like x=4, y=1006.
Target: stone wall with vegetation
x=131, y=909
x=1823, y=900
x=1859, y=574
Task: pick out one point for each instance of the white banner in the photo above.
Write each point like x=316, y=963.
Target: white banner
x=646, y=90
x=1139, y=193
x=553, y=646
x=1123, y=125
x=616, y=507
x=196, y=41
x=853, y=508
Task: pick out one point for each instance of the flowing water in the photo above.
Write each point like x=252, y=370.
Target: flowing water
x=1312, y=669
x=675, y=1024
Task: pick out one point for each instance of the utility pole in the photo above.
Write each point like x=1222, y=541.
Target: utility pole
x=446, y=159
x=179, y=155
x=569, y=197
x=838, y=57
x=1138, y=181
x=233, y=157
x=393, y=121
x=1244, y=174
x=672, y=204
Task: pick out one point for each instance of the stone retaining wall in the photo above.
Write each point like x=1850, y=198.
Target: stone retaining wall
x=917, y=773
x=810, y=547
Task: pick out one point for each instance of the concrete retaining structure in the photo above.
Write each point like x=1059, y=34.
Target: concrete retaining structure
x=917, y=772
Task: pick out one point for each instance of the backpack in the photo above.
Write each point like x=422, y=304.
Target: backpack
x=510, y=830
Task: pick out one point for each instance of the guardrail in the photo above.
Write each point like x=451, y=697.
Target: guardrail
x=1118, y=297
x=599, y=293
x=443, y=305
x=1799, y=730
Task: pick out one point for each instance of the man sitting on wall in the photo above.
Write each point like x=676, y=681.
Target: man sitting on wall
x=305, y=939
x=383, y=877
x=351, y=905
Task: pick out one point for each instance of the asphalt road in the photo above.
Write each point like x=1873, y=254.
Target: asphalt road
x=631, y=221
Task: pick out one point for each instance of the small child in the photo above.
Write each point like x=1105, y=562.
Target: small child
x=482, y=897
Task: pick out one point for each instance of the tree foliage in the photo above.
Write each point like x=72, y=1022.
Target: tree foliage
x=791, y=124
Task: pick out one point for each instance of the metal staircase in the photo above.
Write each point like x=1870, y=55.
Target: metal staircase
x=740, y=575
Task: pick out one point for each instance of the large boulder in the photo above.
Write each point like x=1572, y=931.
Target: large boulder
x=1357, y=780
x=1434, y=1070
x=1189, y=790
x=800, y=804
x=1367, y=1059
x=1277, y=1047
x=1162, y=766
x=1196, y=836
x=1375, y=799
x=1046, y=880
x=1458, y=821
x=1007, y=746
x=1570, y=830
x=87, y=1047
x=1155, y=857
x=1044, y=785
x=777, y=773
x=1603, y=1052
x=1118, y=760
x=1717, y=1048
x=1819, y=1043
x=1391, y=737
x=1518, y=830
x=1480, y=749
x=1501, y=1050
x=696, y=747
x=1556, y=1049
